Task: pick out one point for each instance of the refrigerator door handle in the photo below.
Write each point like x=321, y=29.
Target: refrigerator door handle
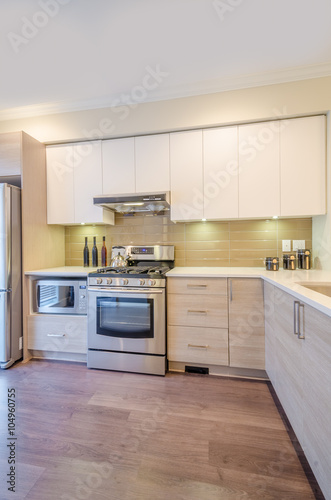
x=5, y=328
x=5, y=237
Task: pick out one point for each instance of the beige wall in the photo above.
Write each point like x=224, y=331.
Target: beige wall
x=233, y=243
x=244, y=105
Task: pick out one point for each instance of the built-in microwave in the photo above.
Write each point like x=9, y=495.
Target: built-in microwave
x=59, y=296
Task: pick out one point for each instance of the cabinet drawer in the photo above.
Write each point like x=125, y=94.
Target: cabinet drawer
x=198, y=345
x=197, y=286
x=210, y=311
x=57, y=333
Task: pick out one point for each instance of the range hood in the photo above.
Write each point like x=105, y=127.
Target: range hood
x=145, y=203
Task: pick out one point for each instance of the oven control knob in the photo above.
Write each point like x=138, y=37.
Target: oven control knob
x=99, y=281
x=141, y=282
x=151, y=282
x=124, y=281
x=109, y=281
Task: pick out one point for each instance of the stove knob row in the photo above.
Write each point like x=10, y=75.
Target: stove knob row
x=99, y=281
x=124, y=281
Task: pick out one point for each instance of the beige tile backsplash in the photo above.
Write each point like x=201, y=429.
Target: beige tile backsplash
x=230, y=243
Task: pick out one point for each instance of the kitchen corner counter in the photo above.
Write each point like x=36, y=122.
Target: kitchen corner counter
x=288, y=281
x=62, y=272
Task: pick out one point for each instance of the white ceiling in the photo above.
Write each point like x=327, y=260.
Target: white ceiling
x=59, y=55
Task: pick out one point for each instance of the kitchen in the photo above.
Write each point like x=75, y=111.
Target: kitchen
x=226, y=243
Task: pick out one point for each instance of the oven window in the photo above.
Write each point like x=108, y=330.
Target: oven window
x=59, y=296
x=125, y=317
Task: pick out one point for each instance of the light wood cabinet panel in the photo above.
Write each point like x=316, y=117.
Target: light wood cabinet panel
x=60, y=185
x=10, y=154
x=209, y=311
x=118, y=166
x=303, y=166
x=197, y=286
x=57, y=333
x=316, y=382
x=221, y=174
x=259, y=170
x=152, y=163
x=198, y=345
x=246, y=323
x=187, y=199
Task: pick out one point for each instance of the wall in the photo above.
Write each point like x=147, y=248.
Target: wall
x=233, y=243
x=238, y=106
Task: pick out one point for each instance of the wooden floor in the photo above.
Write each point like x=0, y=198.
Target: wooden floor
x=90, y=434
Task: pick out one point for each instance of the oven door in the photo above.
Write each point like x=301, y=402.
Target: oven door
x=127, y=320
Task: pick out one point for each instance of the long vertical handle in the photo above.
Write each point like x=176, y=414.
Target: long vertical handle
x=301, y=323
x=296, y=317
x=230, y=290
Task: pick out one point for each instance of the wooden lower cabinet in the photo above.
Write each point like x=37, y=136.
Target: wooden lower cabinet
x=246, y=323
x=300, y=372
x=198, y=345
x=57, y=333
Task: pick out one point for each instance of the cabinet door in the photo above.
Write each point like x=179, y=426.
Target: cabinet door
x=259, y=170
x=220, y=172
x=187, y=199
x=60, y=185
x=316, y=379
x=303, y=174
x=152, y=163
x=246, y=323
x=118, y=166
x=87, y=181
x=270, y=332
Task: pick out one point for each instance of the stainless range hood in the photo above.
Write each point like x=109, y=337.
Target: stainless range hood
x=145, y=203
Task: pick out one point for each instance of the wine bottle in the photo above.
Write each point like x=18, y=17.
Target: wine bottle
x=94, y=253
x=104, y=252
x=86, y=254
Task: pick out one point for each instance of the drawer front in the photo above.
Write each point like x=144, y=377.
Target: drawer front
x=210, y=311
x=198, y=345
x=197, y=286
x=57, y=333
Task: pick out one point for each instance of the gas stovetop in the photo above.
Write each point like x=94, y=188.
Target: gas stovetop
x=142, y=276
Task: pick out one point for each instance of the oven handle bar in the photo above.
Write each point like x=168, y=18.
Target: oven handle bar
x=125, y=290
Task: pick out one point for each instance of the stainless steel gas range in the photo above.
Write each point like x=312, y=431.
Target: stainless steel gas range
x=127, y=312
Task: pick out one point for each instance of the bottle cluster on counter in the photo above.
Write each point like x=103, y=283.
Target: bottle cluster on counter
x=290, y=261
x=95, y=259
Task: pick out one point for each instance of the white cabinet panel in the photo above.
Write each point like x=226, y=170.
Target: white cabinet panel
x=60, y=185
x=187, y=200
x=118, y=166
x=259, y=177
x=87, y=180
x=220, y=162
x=303, y=177
x=152, y=163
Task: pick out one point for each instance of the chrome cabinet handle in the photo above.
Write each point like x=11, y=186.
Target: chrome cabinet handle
x=196, y=286
x=198, y=346
x=296, y=306
x=194, y=311
x=301, y=323
x=56, y=335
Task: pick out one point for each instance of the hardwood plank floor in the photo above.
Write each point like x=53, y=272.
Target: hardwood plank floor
x=92, y=434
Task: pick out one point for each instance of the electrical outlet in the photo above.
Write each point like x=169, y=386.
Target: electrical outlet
x=298, y=244
x=286, y=245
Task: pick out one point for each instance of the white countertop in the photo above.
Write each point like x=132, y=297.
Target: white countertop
x=286, y=280
x=63, y=272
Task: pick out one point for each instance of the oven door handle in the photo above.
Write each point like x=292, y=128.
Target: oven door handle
x=125, y=290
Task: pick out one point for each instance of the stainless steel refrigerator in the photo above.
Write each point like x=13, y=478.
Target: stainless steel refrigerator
x=10, y=275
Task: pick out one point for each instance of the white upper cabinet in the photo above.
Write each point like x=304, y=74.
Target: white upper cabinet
x=118, y=166
x=186, y=174
x=74, y=177
x=303, y=164
x=152, y=163
x=259, y=179
x=220, y=173
x=60, y=185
